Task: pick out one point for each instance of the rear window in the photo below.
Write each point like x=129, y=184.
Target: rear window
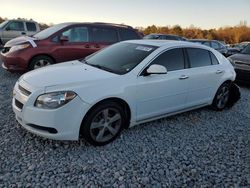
x=128, y=34
x=104, y=35
x=31, y=26
x=214, y=59
x=198, y=57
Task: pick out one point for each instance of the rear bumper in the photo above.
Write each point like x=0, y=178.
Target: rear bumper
x=242, y=75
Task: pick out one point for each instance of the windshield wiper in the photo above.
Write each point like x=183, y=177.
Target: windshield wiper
x=99, y=66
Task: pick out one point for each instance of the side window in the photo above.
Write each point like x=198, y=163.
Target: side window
x=31, y=26
x=198, y=57
x=214, y=59
x=206, y=43
x=15, y=26
x=77, y=34
x=171, y=59
x=215, y=45
x=104, y=35
x=170, y=37
x=128, y=34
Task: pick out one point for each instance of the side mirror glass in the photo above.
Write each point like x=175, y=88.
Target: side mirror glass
x=64, y=39
x=156, y=69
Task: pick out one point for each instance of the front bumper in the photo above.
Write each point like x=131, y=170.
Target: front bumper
x=60, y=124
x=13, y=62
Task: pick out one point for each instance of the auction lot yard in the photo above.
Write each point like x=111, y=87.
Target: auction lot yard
x=202, y=148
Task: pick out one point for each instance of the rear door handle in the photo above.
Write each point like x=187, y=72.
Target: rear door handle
x=183, y=77
x=219, y=72
x=23, y=33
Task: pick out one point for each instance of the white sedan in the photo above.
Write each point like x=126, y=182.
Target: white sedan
x=123, y=85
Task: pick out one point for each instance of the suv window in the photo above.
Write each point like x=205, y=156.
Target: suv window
x=198, y=57
x=31, y=26
x=15, y=26
x=127, y=34
x=104, y=35
x=171, y=59
x=215, y=45
x=77, y=34
x=214, y=59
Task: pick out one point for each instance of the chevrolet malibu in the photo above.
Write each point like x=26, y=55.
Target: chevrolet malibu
x=120, y=86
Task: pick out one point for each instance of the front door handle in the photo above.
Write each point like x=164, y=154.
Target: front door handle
x=219, y=72
x=183, y=77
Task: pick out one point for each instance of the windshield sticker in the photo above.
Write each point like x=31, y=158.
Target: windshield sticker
x=143, y=48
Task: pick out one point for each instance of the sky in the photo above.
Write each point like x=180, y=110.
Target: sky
x=206, y=14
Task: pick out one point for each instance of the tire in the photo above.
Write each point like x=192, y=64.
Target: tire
x=221, y=97
x=40, y=61
x=103, y=124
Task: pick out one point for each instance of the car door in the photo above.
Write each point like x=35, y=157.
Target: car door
x=102, y=36
x=204, y=75
x=163, y=93
x=12, y=30
x=72, y=43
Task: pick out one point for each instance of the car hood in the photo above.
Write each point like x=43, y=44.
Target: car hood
x=69, y=73
x=245, y=58
x=19, y=40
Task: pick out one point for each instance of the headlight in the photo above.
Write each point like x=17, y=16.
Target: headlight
x=231, y=61
x=54, y=100
x=18, y=47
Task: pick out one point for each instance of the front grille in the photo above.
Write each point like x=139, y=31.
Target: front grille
x=24, y=91
x=49, y=129
x=18, y=104
x=5, y=49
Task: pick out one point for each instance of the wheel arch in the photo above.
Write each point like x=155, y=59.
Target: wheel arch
x=117, y=100
x=41, y=54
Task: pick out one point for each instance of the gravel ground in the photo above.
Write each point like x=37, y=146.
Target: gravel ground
x=202, y=148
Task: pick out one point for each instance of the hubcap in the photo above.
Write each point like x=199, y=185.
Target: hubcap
x=105, y=125
x=222, y=97
x=41, y=63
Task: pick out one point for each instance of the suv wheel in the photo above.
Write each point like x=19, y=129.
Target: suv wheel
x=103, y=124
x=40, y=61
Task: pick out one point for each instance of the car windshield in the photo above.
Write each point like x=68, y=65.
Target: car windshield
x=3, y=23
x=120, y=58
x=246, y=50
x=49, y=31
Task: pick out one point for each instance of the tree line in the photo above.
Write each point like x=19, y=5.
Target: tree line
x=230, y=35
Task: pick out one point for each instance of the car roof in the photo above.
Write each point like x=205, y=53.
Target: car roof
x=96, y=23
x=166, y=43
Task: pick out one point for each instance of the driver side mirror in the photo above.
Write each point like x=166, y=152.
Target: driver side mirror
x=155, y=69
x=64, y=39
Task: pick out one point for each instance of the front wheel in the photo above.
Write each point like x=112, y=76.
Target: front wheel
x=103, y=124
x=222, y=97
x=40, y=61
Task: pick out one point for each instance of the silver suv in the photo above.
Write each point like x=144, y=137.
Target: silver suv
x=10, y=29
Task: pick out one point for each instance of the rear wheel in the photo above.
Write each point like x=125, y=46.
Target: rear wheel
x=103, y=124
x=222, y=97
x=40, y=61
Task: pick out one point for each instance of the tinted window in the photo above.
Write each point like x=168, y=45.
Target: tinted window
x=120, y=58
x=31, y=26
x=172, y=59
x=104, y=35
x=215, y=45
x=246, y=50
x=127, y=34
x=206, y=43
x=77, y=34
x=152, y=37
x=198, y=57
x=16, y=26
x=167, y=37
x=214, y=59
